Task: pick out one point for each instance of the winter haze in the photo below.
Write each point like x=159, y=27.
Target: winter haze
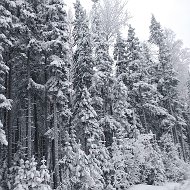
x=173, y=14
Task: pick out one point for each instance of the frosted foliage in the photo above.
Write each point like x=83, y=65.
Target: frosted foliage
x=137, y=161
x=28, y=177
x=4, y=102
x=80, y=171
x=176, y=168
x=87, y=116
x=2, y=135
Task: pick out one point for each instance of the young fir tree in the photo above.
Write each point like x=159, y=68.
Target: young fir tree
x=29, y=177
x=77, y=169
x=44, y=176
x=20, y=179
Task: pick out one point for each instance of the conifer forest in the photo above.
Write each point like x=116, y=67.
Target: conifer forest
x=84, y=108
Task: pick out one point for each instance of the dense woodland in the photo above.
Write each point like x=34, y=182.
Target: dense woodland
x=82, y=108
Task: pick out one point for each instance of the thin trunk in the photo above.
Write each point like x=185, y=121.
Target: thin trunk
x=29, y=110
x=9, y=117
x=47, y=139
x=175, y=131
x=37, y=138
x=56, y=146
x=135, y=124
x=17, y=138
x=182, y=144
x=143, y=111
x=188, y=131
x=176, y=138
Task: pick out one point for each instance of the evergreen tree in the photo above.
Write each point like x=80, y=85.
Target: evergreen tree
x=56, y=41
x=83, y=63
x=84, y=115
x=85, y=122
x=176, y=169
x=167, y=82
x=102, y=79
x=78, y=170
x=28, y=177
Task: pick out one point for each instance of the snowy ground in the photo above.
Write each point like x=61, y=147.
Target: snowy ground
x=168, y=186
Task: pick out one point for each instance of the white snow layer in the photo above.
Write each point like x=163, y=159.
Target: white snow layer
x=167, y=186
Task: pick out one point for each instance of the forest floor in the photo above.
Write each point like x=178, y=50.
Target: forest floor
x=185, y=185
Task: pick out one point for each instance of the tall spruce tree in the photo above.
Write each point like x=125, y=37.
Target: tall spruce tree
x=84, y=115
x=56, y=43
x=167, y=82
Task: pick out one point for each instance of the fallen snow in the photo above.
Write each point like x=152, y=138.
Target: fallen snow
x=166, y=186
x=147, y=187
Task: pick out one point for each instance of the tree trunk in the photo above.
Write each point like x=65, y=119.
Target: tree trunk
x=37, y=138
x=56, y=146
x=9, y=116
x=29, y=110
x=143, y=112
x=182, y=144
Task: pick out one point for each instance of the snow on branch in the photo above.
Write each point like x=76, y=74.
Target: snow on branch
x=36, y=86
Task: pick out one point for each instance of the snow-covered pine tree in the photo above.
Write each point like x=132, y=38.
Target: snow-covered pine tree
x=83, y=63
x=77, y=169
x=131, y=69
x=84, y=116
x=29, y=177
x=148, y=98
x=136, y=69
x=32, y=174
x=102, y=81
x=85, y=122
x=122, y=106
x=56, y=35
x=167, y=82
x=100, y=89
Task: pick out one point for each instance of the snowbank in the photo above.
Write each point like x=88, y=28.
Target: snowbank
x=167, y=186
x=147, y=187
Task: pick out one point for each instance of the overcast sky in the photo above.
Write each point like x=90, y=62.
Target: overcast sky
x=173, y=14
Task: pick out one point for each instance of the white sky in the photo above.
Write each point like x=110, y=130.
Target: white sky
x=173, y=14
